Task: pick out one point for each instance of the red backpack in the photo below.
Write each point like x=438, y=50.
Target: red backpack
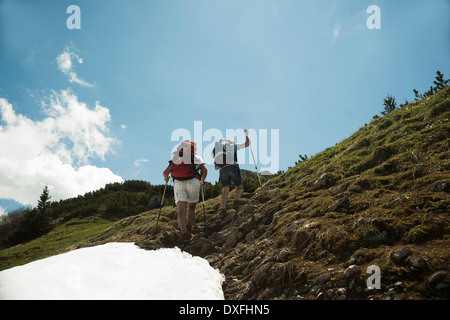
x=185, y=168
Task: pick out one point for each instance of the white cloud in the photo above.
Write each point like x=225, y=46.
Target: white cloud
x=84, y=129
x=64, y=62
x=336, y=32
x=55, y=151
x=123, y=126
x=66, y=65
x=140, y=162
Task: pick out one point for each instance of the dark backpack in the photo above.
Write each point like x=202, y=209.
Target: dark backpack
x=225, y=153
x=184, y=167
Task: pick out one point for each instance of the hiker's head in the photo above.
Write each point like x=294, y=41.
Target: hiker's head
x=227, y=141
x=187, y=146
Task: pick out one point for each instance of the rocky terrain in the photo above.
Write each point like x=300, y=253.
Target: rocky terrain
x=379, y=198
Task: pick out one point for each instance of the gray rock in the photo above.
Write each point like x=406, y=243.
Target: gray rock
x=250, y=253
x=261, y=272
x=352, y=271
x=399, y=256
x=283, y=255
x=358, y=257
x=325, y=181
x=342, y=187
x=342, y=203
x=342, y=291
x=323, y=278
x=233, y=238
x=228, y=265
x=329, y=293
x=342, y=294
x=437, y=278
x=290, y=231
x=416, y=262
x=154, y=202
x=248, y=226
x=202, y=246
x=438, y=186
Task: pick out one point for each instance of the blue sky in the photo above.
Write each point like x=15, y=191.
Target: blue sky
x=83, y=107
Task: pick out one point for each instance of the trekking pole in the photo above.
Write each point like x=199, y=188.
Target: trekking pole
x=204, y=213
x=162, y=202
x=256, y=168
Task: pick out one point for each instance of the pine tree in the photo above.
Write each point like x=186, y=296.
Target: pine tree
x=417, y=95
x=389, y=104
x=44, y=200
x=440, y=82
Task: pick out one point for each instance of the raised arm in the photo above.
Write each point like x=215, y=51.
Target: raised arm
x=246, y=143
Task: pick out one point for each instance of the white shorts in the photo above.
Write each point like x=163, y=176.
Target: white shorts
x=186, y=190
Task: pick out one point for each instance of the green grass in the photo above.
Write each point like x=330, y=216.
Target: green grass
x=55, y=242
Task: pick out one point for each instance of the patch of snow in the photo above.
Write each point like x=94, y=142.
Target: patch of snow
x=114, y=271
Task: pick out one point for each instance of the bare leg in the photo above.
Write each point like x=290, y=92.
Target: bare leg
x=181, y=209
x=224, y=197
x=239, y=192
x=237, y=196
x=191, y=213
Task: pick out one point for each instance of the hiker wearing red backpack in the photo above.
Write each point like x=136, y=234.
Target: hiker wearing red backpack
x=225, y=160
x=184, y=168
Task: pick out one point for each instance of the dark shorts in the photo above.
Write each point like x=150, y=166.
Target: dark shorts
x=230, y=173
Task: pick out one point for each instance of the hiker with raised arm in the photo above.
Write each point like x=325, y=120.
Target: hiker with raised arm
x=189, y=172
x=225, y=160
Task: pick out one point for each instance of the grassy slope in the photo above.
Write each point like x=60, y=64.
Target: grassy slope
x=58, y=240
x=384, y=170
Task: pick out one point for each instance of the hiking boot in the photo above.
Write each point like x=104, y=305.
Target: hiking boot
x=189, y=231
x=236, y=204
x=185, y=237
x=223, y=212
